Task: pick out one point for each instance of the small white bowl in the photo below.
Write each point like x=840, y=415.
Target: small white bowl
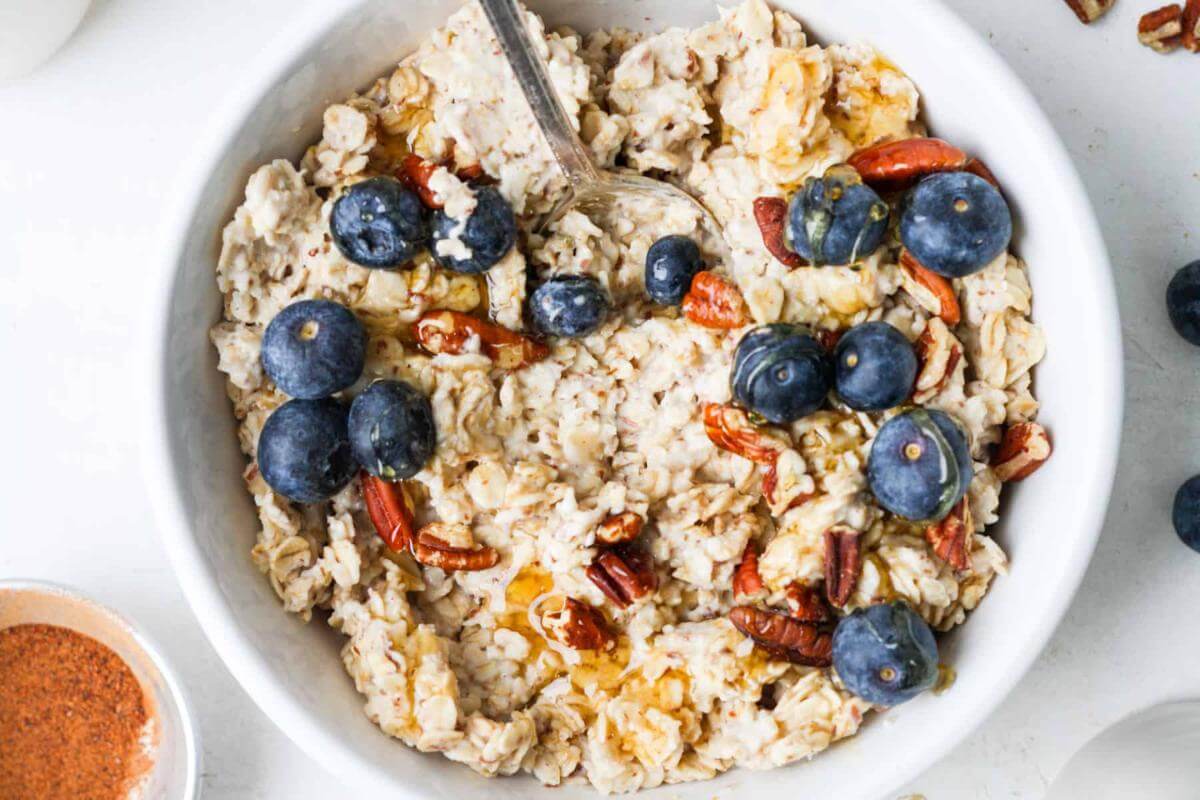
x=175, y=770
x=1049, y=524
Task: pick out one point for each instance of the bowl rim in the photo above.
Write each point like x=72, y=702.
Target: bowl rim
x=200, y=586
x=158, y=657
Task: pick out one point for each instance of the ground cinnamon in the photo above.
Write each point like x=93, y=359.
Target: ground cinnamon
x=71, y=717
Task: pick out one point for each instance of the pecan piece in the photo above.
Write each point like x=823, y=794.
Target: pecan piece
x=807, y=604
x=1089, y=11
x=444, y=331
x=416, y=171
x=729, y=428
x=449, y=547
x=950, y=538
x=977, y=167
x=747, y=582
x=931, y=291
x=843, y=563
x=1162, y=29
x=390, y=510
x=784, y=637
x=1024, y=448
x=771, y=215
x=624, y=573
x=828, y=339
x=784, y=486
x=714, y=303
x=899, y=164
x=618, y=528
x=578, y=626
x=938, y=353
x=1190, y=38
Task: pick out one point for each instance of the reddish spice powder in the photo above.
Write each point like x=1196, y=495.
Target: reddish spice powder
x=71, y=714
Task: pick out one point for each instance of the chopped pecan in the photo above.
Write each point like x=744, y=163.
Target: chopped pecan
x=1162, y=29
x=828, y=339
x=1024, y=448
x=783, y=486
x=729, y=428
x=625, y=574
x=444, y=331
x=938, y=353
x=771, y=215
x=618, y=528
x=1089, y=11
x=390, y=510
x=747, y=582
x=1190, y=38
x=784, y=637
x=578, y=626
x=843, y=563
x=714, y=303
x=931, y=291
x=950, y=537
x=416, y=171
x=807, y=604
x=899, y=164
x=442, y=546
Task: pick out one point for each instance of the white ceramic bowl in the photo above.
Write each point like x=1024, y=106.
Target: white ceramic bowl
x=1049, y=526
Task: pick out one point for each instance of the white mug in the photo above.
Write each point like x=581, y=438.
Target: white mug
x=33, y=30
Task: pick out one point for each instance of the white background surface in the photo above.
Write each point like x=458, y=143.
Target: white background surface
x=89, y=149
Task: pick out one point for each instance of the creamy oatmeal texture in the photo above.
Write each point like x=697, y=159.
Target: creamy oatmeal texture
x=532, y=460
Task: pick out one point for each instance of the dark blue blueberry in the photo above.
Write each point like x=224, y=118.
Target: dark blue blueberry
x=392, y=430
x=379, y=223
x=919, y=465
x=304, y=450
x=314, y=348
x=955, y=223
x=875, y=367
x=1183, y=302
x=671, y=263
x=836, y=219
x=568, y=305
x=1186, y=513
x=780, y=372
x=885, y=654
x=490, y=232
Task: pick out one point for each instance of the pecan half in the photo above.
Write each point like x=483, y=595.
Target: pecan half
x=624, y=573
x=390, y=510
x=1024, y=448
x=771, y=215
x=618, y=528
x=938, y=353
x=729, y=428
x=1089, y=11
x=578, y=626
x=784, y=637
x=714, y=303
x=931, y=291
x=439, y=545
x=747, y=582
x=1162, y=29
x=843, y=563
x=1190, y=38
x=899, y=164
x=783, y=486
x=950, y=538
x=444, y=331
x=807, y=604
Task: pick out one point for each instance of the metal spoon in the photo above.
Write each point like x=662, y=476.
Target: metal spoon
x=592, y=191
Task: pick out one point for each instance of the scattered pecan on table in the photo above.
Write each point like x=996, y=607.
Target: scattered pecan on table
x=1162, y=29
x=1089, y=11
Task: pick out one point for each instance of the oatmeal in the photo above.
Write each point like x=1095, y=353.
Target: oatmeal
x=602, y=568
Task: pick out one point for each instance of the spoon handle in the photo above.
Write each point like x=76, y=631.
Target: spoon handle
x=509, y=23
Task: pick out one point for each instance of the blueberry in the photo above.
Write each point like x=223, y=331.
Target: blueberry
x=379, y=223
x=671, y=263
x=314, y=348
x=836, y=219
x=1186, y=513
x=490, y=232
x=304, y=450
x=875, y=367
x=392, y=430
x=919, y=465
x=885, y=653
x=955, y=223
x=568, y=305
x=780, y=372
x=1183, y=302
